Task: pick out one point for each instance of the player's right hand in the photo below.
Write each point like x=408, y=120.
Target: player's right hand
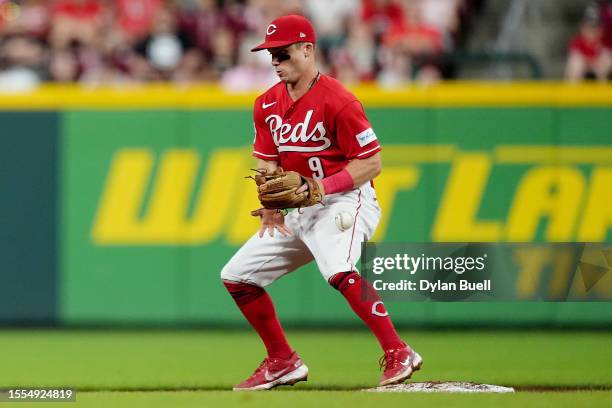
x=271, y=220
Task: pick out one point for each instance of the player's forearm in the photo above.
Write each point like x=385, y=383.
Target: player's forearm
x=364, y=170
x=356, y=173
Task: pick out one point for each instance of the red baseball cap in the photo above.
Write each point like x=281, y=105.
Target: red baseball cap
x=287, y=30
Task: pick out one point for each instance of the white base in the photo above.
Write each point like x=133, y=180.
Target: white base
x=451, y=386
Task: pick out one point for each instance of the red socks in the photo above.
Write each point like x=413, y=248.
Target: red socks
x=371, y=310
x=256, y=305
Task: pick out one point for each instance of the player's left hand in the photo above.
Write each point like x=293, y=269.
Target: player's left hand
x=271, y=220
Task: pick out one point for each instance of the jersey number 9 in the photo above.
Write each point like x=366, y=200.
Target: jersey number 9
x=317, y=168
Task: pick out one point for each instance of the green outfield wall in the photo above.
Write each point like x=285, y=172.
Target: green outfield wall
x=149, y=199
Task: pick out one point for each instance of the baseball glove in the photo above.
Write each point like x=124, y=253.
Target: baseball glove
x=277, y=190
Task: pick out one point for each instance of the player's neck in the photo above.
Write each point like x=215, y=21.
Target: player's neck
x=298, y=89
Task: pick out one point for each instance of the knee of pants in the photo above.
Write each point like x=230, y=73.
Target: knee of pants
x=230, y=273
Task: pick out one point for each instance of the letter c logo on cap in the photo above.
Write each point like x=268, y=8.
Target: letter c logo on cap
x=271, y=29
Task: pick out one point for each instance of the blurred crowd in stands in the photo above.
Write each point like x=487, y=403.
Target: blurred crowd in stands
x=119, y=42
x=590, y=50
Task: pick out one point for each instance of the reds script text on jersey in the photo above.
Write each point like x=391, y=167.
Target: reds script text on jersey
x=318, y=134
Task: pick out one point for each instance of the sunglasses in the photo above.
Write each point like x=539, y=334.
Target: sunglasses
x=282, y=55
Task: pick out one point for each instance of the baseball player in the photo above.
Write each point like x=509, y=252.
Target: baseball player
x=310, y=124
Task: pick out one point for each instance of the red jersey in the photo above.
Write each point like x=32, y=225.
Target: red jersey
x=85, y=11
x=590, y=50
x=136, y=16
x=318, y=134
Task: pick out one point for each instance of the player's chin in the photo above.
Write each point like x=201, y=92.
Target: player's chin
x=282, y=76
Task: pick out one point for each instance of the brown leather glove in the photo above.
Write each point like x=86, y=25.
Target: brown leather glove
x=278, y=190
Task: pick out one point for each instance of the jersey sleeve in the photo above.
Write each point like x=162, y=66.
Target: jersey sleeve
x=355, y=136
x=263, y=143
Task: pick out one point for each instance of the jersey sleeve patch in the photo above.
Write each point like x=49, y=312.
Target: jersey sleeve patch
x=366, y=137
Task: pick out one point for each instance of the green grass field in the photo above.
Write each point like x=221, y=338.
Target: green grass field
x=198, y=368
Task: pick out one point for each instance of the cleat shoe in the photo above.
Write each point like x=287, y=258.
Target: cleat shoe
x=273, y=372
x=399, y=365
